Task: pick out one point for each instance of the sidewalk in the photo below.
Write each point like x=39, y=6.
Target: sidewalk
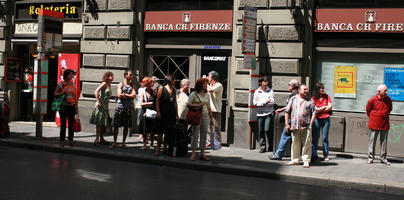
x=343, y=172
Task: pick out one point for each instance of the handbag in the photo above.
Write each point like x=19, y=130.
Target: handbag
x=150, y=114
x=76, y=124
x=194, y=116
x=58, y=103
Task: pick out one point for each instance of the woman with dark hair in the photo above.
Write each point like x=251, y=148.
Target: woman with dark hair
x=264, y=100
x=199, y=99
x=148, y=102
x=124, y=108
x=67, y=88
x=322, y=121
x=100, y=115
x=167, y=111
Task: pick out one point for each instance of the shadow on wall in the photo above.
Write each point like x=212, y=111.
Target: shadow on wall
x=92, y=6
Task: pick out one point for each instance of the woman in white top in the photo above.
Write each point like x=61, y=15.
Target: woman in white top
x=199, y=99
x=182, y=99
x=264, y=100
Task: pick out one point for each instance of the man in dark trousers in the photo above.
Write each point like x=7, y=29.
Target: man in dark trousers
x=378, y=110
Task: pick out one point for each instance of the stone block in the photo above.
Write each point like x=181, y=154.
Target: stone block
x=119, y=61
x=109, y=18
x=241, y=98
x=241, y=128
x=280, y=83
x=95, y=5
x=281, y=98
x=2, y=46
x=287, y=66
x=120, y=4
x=95, y=75
x=240, y=81
x=86, y=107
x=285, y=3
x=113, y=47
x=240, y=65
x=2, y=32
x=275, y=16
x=288, y=33
x=1, y=58
x=275, y=50
x=122, y=32
x=95, y=60
x=253, y=3
x=94, y=32
x=262, y=33
x=2, y=70
x=89, y=88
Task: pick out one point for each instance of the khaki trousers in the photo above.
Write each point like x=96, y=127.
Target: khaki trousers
x=301, y=143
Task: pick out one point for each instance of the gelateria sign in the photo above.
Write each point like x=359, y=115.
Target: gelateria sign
x=386, y=20
x=189, y=21
x=70, y=9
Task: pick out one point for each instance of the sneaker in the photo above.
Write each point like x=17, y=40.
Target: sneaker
x=306, y=165
x=370, y=161
x=326, y=159
x=273, y=157
x=262, y=150
x=385, y=161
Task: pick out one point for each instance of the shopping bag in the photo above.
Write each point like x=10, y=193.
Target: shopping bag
x=76, y=124
x=214, y=142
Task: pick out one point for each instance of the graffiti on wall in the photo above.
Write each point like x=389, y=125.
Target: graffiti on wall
x=395, y=131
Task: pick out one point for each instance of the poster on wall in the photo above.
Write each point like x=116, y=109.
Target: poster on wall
x=13, y=70
x=345, y=81
x=394, y=80
x=68, y=61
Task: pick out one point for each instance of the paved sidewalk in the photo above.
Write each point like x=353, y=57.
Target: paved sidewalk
x=340, y=171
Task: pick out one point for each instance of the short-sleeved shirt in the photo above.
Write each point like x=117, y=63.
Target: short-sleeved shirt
x=182, y=101
x=204, y=99
x=301, y=111
x=320, y=103
x=216, y=97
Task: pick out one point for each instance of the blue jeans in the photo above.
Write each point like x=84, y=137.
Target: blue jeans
x=263, y=129
x=285, y=138
x=319, y=124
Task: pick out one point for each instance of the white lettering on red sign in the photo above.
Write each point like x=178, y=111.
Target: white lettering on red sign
x=189, y=27
x=368, y=27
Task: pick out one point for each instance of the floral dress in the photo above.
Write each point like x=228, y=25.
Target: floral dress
x=100, y=115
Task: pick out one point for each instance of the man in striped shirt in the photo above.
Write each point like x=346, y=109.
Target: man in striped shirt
x=301, y=112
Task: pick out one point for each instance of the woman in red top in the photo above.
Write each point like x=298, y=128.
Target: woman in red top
x=322, y=121
x=67, y=88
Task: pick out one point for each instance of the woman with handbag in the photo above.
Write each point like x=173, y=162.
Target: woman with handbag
x=200, y=117
x=124, y=108
x=100, y=116
x=69, y=109
x=167, y=112
x=148, y=103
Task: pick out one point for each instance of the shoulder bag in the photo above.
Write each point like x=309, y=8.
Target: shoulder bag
x=194, y=115
x=150, y=114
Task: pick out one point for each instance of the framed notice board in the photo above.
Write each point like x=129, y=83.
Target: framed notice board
x=14, y=69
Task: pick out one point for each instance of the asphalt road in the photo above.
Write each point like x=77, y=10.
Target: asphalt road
x=27, y=174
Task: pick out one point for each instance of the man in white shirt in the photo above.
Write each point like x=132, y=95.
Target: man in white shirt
x=215, y=90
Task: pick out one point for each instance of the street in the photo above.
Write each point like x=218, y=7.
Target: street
x=28, y=174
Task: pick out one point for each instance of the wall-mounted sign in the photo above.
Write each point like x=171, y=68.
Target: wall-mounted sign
x=31, y=28
x=249, y=30
x=345, y=81
x=14, y=69
x=388, y=20
x=71, y=10
x=394, y=80
x=189, y=21
x=215, y=58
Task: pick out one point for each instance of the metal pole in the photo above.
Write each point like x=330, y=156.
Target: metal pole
x=38, y=115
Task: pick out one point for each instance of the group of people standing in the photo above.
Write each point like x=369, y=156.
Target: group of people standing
x=305, y=116
x=159, y=107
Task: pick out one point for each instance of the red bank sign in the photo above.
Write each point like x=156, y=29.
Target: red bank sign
x=189, y=21
x=388, y=20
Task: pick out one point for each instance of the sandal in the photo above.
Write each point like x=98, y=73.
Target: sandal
x=203, y=157
x=96, y=143
x=193, y=157
x=62, y=143
x=124, y=146
x=113, y=145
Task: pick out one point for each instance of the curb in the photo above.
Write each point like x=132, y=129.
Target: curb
x=209, y=166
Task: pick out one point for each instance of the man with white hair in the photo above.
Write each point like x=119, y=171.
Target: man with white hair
x=378, y=110
x=215, y=90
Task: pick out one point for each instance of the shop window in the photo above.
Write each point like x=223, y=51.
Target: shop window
x=351, y=80
x=160, y=66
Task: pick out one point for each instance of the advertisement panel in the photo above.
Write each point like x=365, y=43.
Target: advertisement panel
x=394, y=80
x=68, y=61
x=345, y=81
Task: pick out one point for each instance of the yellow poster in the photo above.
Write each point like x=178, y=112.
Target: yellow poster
x=345, y=81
